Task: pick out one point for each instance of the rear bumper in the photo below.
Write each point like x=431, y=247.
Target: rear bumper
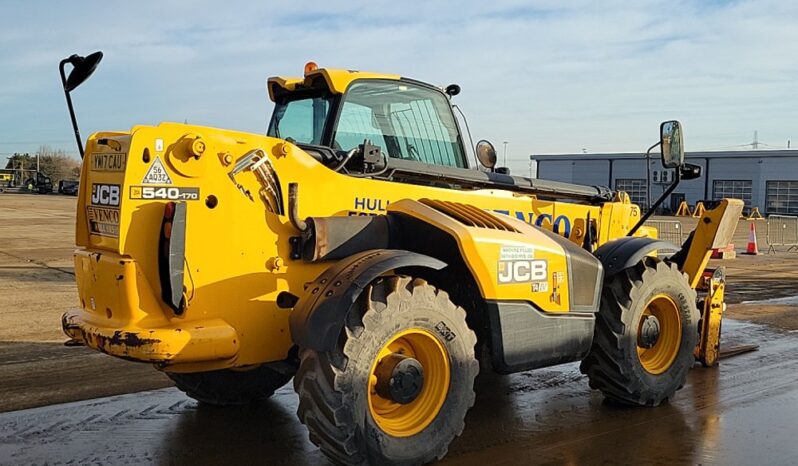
x=201, y=341
x=123, y=316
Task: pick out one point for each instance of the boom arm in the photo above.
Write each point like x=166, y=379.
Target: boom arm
x=714, y=230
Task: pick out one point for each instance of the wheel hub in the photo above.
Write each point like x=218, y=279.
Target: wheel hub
x=399, y=378
x=649, y=332
x=408, y=382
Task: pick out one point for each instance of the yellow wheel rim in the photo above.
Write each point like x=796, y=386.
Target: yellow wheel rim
x=660, y=357
x=405, y=420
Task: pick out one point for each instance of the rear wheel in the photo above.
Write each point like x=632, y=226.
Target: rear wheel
x=398, y=385
x=646, y=332
x=230, y=387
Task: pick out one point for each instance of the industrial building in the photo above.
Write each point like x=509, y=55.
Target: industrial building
x=767, y=179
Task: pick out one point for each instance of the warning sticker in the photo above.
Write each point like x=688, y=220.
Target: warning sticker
x=103, y=221
x=157, y=174
x=509, y=253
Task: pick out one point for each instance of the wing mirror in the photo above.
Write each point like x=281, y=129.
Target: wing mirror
x=452, y=90
x=670, y=138
x=670, y=143
x=486, y=154
x=82, y=68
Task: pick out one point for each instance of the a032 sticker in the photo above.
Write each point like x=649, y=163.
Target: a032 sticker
x=170, y=193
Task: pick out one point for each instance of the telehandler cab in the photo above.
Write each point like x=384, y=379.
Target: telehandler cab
x=357, y=249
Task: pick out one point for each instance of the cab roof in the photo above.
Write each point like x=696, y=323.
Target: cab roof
x=335, y=81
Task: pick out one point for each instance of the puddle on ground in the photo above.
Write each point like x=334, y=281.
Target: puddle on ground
x=742, y=412
x=787, y=300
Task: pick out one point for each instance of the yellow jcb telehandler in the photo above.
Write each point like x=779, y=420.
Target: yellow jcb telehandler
x=358, y=249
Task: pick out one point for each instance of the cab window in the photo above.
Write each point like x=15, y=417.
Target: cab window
x=300, y=119
x=407, y=121
x=356, y=125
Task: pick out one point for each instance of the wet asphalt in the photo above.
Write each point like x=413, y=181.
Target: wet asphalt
x=743, y=412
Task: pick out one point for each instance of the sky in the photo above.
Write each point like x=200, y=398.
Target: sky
x=546, y=76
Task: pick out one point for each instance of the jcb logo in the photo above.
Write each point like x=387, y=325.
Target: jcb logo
x=523, y=271
x=105, y=194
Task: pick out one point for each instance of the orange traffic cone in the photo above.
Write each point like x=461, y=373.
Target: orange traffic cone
x=752, y=248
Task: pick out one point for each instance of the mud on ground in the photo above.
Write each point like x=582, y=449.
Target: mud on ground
x=37, y=286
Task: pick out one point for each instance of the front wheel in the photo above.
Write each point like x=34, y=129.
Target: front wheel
x=646, y=333
x=398, y=385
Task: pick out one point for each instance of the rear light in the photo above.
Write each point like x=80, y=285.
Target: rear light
x=171, y=255
x=169, y=211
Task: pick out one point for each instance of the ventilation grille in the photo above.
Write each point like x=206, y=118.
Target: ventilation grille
x=469, y=215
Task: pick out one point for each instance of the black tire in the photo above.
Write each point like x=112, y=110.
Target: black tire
x=228, y=387
x=333, y=386
x=613, y=365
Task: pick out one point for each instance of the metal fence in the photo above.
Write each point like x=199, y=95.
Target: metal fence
x=782, y=231
x=668, y=230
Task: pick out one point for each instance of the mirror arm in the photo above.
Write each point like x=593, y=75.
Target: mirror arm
x=648, y=171
x=69, y=104
x=677, y=177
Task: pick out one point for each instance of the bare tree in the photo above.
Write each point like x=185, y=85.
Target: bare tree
x=56, y=164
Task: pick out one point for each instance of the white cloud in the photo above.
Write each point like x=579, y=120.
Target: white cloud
x=547, y=76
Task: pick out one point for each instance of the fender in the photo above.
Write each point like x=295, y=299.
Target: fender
x=625, y=252
x=318, y=318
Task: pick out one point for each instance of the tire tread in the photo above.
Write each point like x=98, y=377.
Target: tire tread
x=608, y=367
x=322, y=403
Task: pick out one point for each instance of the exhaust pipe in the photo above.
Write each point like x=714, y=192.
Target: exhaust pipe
x=333, y=238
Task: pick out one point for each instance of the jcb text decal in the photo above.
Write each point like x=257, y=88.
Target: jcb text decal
x=105, y=194
x=523, y=271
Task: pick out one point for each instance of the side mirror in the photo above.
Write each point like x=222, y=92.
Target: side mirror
x=690, y=171
x=670, y=138
x=452, y=90
x=82, y=68
x=486, y=154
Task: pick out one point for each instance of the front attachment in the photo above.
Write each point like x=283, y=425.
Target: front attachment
x=708, y=349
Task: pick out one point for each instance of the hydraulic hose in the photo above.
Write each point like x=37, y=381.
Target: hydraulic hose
x=293, y=208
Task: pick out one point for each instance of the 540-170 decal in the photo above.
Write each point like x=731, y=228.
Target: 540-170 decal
x=172, y=193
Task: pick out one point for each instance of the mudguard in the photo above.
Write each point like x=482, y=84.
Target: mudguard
x=318, y=318
x=625, y=252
